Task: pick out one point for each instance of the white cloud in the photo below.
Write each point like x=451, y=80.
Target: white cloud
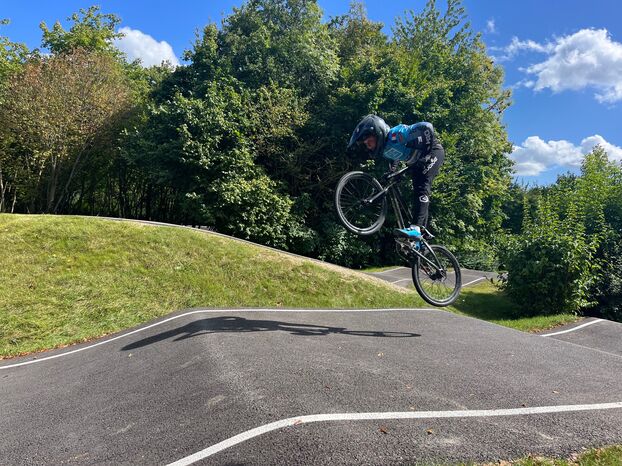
x=138, y=45
x=490, y=26
x=586, y=59
x=535, y=156
x=516, y=46
x=614, y=152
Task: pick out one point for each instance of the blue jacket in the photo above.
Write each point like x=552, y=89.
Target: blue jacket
x=403, y=140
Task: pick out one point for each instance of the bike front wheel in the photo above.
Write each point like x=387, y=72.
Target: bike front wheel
x=438, y=281
x=356, y=207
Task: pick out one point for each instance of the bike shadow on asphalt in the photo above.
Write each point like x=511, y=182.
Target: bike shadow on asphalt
x=243, y=325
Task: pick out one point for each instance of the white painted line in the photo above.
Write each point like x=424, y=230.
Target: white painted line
x=387, y=271
x=573, y=328
x=203, y=311
x=295, y=421
x=474, y=281
x=402, y=280
x=465, y=284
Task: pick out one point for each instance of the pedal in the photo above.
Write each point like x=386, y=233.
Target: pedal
x=406, y=242
x=406, y=248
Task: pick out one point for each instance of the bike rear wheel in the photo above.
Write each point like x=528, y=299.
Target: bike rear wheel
x=438, y=283
x=354, y=208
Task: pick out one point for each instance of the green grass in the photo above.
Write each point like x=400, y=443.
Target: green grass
x=485, y=301
x=608, y=456
x=70, y=279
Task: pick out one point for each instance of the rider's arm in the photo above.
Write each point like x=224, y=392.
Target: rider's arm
x=414, y=157
x=420, y=136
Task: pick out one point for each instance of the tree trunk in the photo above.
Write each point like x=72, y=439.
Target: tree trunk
x=14, y=200
x=2, y=191
x=66, y=189
x=81, y=197
x=122, y=194
x=53, y=181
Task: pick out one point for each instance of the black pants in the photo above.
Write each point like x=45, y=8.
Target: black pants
x=423, y=173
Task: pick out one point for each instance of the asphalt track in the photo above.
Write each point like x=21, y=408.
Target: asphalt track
x=232, y=387
x=242, y=386
x=402, y=276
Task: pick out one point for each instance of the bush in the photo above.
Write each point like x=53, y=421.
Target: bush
x=608, y=286
x=550, y=266
x=341, y=247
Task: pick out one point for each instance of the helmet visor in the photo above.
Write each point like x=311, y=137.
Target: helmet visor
x=362, y=130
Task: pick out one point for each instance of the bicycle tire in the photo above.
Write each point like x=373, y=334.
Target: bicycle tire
x=434, y=287
x=361, y=219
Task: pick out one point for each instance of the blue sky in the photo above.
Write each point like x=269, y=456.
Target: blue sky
x=563, y=60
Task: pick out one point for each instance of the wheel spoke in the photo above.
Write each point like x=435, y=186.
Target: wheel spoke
x=352, y=196
x=437, y=282
x=357, y=215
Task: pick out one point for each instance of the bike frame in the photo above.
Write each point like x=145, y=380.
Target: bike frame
x=401, y=211
x=397, y=202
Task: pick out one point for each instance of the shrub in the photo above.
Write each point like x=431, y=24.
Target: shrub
x=341, y=247
x=608, y=286
x=549, y=266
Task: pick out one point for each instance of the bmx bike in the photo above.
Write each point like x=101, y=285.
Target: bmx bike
x=362, y=206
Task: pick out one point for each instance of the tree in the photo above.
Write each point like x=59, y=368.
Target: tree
x=13, y=55
x=195, y=154
x=56, y=108
x=91, y=30
x=435, y=69
x=551, y=264
x=599, y=192
x=12, y=58
x=279, y=41
x=447, y=78
x=567, y=256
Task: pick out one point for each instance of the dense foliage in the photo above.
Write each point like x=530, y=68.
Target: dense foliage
x=248, y=138
x=567, y=256
x=550, y=265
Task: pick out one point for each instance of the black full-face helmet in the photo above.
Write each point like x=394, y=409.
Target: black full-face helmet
x=370, y=125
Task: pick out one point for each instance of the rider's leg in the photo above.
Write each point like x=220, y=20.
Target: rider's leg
x=422, y=176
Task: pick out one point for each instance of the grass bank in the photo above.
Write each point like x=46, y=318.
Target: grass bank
x=69, y=279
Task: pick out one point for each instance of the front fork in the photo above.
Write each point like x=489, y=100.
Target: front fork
x=424, y=245
x=413, y=253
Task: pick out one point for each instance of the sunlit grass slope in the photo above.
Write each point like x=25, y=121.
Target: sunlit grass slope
x=67, y=279
x=485, y=301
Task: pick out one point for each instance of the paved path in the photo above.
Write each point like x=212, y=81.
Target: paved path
x=389, y=387
x=598, y=334
x=402, y=276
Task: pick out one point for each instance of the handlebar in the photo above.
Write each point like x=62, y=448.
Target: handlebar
x=409, y=163
x=393, y=174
